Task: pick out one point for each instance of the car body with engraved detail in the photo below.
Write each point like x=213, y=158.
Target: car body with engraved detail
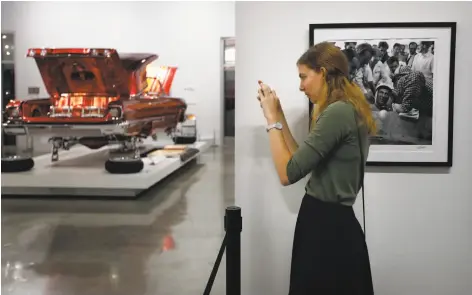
x=96, y=97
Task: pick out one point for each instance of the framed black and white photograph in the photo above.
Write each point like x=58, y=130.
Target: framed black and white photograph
x=406, y=71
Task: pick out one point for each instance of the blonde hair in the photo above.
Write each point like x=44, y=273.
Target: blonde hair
x=337, y=86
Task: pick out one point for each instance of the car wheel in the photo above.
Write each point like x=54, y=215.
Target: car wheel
x=124, y=166
x=184, y=140
x=17, y=164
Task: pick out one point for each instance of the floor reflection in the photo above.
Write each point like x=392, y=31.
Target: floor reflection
x=163, y=243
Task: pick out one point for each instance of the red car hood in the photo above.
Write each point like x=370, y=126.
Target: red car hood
x=87, y=71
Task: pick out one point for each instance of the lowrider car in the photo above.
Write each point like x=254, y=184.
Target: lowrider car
x=96, y=97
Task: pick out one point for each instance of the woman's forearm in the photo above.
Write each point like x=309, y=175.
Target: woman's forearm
x=288, y=138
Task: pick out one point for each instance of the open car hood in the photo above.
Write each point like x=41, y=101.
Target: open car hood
x=88, y=71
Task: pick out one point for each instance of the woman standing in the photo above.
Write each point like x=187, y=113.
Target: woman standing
x=329, y=250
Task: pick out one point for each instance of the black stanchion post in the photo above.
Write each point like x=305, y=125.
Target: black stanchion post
x=232, y=244
x=233, y=227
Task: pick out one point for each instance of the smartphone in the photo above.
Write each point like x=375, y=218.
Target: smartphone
x=260, y=85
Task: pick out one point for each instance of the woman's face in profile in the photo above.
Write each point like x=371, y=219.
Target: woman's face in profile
x=310, y=82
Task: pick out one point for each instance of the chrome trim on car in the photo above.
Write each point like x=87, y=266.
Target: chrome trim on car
x=88, y=112
x=120, y=128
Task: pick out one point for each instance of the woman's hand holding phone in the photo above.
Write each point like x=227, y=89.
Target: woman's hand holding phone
x=269, y=102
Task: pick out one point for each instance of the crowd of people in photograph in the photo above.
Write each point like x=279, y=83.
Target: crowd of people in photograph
x=397, y=80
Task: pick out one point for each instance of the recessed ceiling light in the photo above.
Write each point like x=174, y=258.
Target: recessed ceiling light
x=6, y=46
x=8, y=52
x=4, y=36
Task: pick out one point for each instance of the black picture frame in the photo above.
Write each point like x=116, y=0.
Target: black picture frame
x=447, y=162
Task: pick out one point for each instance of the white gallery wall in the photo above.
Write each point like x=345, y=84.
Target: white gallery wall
x=419, y=220
x=183, y=34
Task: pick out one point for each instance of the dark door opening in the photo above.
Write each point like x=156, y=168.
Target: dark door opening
x=229, y=85
x=8, y=93
x=8, y=81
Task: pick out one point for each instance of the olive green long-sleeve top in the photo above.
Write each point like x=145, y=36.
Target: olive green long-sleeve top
x=331, y=153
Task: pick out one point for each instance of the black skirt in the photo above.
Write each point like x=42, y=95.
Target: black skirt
x=330, y=255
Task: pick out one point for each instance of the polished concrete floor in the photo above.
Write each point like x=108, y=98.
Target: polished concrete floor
x=165, y=242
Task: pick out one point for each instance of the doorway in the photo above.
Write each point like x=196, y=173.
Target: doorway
x=229, y=56
x=8, y=80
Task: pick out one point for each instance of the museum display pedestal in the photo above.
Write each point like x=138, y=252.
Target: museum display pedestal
x=80, y=172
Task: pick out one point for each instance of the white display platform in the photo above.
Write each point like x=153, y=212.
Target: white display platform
x=64, y=178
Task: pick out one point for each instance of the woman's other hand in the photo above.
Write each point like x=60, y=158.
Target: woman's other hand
x=269, y=102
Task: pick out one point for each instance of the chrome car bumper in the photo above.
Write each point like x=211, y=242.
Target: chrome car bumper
x=67, y=130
